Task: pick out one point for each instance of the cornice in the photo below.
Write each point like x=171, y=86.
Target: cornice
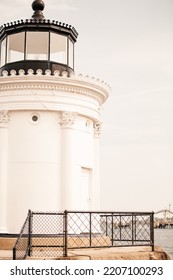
x=78, y=84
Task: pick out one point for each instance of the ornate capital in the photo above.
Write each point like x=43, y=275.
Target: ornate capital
x=97, y=129
x=67, y=119
x=5, y=118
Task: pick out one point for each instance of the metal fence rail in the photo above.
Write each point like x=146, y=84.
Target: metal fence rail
x=52, y=234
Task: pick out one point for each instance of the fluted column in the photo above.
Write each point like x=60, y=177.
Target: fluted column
x=68, y=155
x=4, y=123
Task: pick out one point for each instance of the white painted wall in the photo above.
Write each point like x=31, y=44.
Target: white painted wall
x=3, y=174
x=50, y=161
x=33, y=165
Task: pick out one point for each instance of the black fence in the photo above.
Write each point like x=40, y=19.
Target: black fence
x=22, y=247
x=41, y=236
x=52, y=235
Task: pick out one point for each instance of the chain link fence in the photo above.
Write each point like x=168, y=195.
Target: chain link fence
x=22, y=246
x=47, y=236
x=42, y=236
x=51, y=235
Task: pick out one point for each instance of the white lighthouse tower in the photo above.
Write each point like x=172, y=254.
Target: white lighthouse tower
x=49, y=122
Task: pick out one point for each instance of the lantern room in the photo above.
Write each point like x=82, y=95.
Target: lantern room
x=37, y=44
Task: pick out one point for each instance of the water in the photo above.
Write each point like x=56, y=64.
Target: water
x=164, y=238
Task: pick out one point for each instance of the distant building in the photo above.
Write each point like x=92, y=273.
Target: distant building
x=49, y=122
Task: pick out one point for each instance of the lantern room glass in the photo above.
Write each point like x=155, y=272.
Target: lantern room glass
x=15, y=47
x=71, y=54
x=58, y=48
x=37, y=45
x=3, y=53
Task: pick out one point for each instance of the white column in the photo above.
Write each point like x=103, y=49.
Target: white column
x=96, y=185
x=69, y=176
x=4, y=122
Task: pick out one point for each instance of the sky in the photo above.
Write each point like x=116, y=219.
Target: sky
x=129, y=45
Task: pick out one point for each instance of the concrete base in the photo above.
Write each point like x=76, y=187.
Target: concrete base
x=75, y=241
x=7, y=243
x=113, y=253
x=125, y=253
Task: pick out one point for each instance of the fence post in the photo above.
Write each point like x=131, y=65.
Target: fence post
x=29, y=232
x=14, y=253
x=135, y=229
x=90, y=226
x=132, y=229
x=152, y=229
x=106, y=225
x=65, y=245
x=112, y=229
x=120, y=227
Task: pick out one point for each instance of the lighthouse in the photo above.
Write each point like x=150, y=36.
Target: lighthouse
x=50, y=122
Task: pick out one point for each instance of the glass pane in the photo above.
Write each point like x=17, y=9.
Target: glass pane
x=3, y=49
x=15, y=47
x=71, y=54
x=37, y=45
x=58, y=48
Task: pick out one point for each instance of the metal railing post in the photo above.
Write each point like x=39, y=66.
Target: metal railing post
x=29, y=232
x=90, y=226
x=14, y=253
x=135, y=228
x=132, y=229
x=106, y=225
x=120, y=228
x=65, y=245
x=152, y=229
x=112, y=229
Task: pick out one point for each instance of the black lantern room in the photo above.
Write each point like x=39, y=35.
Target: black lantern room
x=37, y=43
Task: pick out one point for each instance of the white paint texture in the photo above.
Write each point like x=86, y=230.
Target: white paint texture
x=42, y=161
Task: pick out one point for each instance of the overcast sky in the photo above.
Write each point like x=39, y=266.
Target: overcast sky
x=129, y=44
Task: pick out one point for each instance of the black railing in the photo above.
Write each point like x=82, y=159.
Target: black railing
x=54, y=234
x=22, y=247
x=42, y=235
x=109, y=229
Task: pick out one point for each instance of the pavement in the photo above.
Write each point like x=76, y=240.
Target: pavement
x=6, y=255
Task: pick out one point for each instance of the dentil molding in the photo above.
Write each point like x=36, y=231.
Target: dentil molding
x=79, y=84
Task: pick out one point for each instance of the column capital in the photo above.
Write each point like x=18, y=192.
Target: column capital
x=67, y=119
x=97, y=129
x=5, y=118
